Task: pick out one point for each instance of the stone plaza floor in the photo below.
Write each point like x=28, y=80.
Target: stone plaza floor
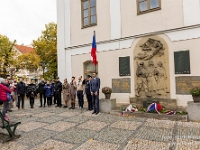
x=63, y=129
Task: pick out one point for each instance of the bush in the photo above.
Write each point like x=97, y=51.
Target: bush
x=195, y=91
x=106, y=90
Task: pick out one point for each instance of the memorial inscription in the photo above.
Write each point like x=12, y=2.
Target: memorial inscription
x=185, y=83
x=121, y=85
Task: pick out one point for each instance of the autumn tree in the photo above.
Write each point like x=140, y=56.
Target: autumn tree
x=6, y=54
x=46, y=49
x=29, y=61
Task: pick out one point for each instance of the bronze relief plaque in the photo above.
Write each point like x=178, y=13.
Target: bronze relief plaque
x=185, y=83
x=121, y=85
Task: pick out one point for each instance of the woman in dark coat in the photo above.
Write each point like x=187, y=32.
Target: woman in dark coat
x=48, y=92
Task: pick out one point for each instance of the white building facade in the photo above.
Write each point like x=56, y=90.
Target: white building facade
x=121, y=27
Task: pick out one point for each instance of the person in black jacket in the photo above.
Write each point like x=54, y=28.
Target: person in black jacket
x=58, y=90
x=21, y=91
x=31, y=92
x=41, y=90
x=88, y=92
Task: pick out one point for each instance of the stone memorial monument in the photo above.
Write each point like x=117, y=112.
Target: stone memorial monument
x=151, y=65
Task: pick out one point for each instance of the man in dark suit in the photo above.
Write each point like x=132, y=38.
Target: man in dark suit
x=21, y=91
x=42, y=92
x=88, y=92
x=94, y=88
x=58, y=90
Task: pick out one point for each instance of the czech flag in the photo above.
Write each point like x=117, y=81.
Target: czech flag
x=94, y=50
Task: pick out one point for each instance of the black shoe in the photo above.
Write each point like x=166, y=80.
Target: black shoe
x=44, y=106
x=65, y=107
x=10, y=110
x=93, y=112
x=97, y=113
x=40, y=106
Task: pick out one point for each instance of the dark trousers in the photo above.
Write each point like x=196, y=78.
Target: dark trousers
x=95, y=101
x=80, y=98
x=5, y=107
x=32, y=101
x=89, y=100
x=42, y=95
x=58, y=98
x=54, y=99
x=49, y=101
x=21, y=98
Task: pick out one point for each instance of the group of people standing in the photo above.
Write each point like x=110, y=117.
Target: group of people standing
x=52, y=92
x=89, y=87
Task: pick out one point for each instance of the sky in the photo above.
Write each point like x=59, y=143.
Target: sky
x=24, y=20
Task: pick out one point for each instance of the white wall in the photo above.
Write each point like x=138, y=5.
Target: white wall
x=61, y=38
x=191, y=10
x=115, y=18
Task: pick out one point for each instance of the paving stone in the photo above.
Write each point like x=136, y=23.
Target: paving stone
x=22, y=114
x=53, y=145
x=76, y=135
x=30, y=126
x=44, y=114
x=113, y=135
x=153, y=133
x=107, y=118
x=128, y=125
x=12, y=146
x=93, y=125
x=50, y=119
x=77, y=119
x=68, y=114
x=140, y=144
x=53, y=128
x=188, y=133
x=92, y=144
x=34, y=137
x=60, y=126
x=160, y=123
x=89, y=114
x=187, y=144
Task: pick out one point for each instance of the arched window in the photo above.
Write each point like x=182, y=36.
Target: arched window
x=89, y=68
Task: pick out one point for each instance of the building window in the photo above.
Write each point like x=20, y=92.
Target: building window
x=145, y=6
x=89, y=68
x=89, y=17
x=182, y=62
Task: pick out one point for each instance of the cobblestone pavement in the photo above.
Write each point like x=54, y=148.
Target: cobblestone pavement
x=63, y=129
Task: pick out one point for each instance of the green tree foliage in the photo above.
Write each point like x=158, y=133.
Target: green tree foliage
x=6, y=54
x=29, y=61
x=46, y=49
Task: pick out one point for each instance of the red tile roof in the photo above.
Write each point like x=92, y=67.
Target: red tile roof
x=24, y=49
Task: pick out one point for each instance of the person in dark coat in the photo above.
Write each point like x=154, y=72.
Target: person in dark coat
x=49, y=93
x=21, y=91
x=31, y=92
x=88, y=92
x=41, y=90
x=53, y=97
x=58, y=90
x=94, y=88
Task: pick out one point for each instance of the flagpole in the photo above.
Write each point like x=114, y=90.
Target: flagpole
x=95, y=40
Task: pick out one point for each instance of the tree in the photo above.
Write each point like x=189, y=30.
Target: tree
x=46, y=49
x=29, y=61
x=6, y=54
